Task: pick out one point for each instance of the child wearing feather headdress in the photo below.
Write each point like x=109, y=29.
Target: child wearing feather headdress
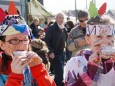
x=94, y=66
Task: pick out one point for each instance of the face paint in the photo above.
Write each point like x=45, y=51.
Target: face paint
x=97, y=42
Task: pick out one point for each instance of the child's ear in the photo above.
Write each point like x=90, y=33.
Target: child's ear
x=0, y=43
x=87, y=38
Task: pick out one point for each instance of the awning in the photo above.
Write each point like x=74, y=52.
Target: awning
x=37, y=10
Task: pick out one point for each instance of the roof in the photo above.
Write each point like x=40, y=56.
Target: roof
x=111, y=13
x=72, y=13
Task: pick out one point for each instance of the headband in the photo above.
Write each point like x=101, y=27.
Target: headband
x=100, y=29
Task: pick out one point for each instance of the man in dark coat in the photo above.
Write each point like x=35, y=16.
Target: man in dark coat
x=55, y=39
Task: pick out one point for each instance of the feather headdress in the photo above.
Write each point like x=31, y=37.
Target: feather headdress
x=93, y=11
x=11, y=22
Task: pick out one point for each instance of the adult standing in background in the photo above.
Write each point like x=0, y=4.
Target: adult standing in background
x=34, y=27
x=69, y=25
x=55, y=39
x=42, y=23
x=76, y=40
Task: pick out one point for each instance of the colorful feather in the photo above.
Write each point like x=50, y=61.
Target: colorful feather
x=12, y=10
x=102, y=9
x=2, y=15
x=92, y=9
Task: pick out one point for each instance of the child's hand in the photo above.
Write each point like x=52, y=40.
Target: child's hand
x=95, y=58
x=18, y=64
x=108, y=52
x=109, y=56
x=34, y=59
x=52, y=55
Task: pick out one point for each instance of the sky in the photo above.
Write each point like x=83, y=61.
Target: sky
x=55, y=6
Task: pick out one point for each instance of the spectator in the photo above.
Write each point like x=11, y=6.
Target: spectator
x=56, y=39
x=41, y=49
x=21, y=70
x=42, y=23
x=69, y=25
x=68, y=18
x=76, y=38
x=50, y=23
x=51, y=68
x=34, y=27
x=94, y=67
x=41, y=34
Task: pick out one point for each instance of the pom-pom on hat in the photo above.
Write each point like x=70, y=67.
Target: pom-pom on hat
x=12, y=23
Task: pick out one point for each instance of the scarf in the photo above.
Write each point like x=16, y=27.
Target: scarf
x=3, y=79
x=28, y=79
x=61, y=26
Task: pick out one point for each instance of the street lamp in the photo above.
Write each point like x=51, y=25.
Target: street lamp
x=86, y=4
x=94, y=1
x=75, y=9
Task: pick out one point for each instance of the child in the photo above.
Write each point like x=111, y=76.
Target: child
x=94, y=67
x=41, y=33
x=41, y=49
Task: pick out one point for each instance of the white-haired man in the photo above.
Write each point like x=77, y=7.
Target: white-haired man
x=56, y=41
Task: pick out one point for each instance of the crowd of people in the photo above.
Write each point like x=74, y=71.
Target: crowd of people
x=79, y=54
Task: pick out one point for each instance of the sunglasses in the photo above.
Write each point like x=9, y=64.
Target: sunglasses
x=17, y=41
x=83, y=20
